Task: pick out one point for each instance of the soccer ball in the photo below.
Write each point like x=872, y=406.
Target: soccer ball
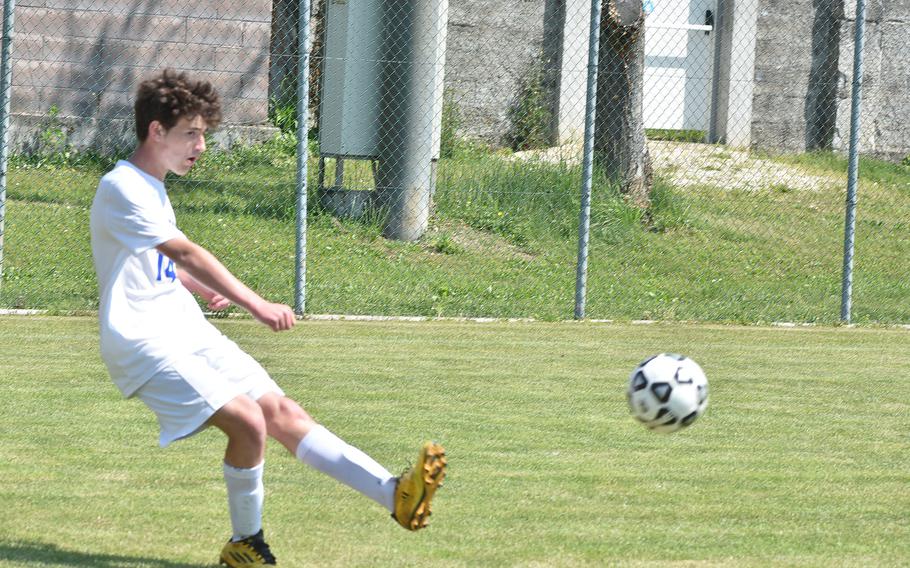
x=667, y=392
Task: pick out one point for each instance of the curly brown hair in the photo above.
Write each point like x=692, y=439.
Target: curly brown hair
x=170, y=96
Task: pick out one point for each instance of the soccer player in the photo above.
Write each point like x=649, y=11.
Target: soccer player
x=158, y=345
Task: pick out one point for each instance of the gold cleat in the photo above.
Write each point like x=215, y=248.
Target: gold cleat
x=417, y=485
x=251, y=551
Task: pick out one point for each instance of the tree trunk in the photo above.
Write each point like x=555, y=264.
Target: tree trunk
x=620, y=148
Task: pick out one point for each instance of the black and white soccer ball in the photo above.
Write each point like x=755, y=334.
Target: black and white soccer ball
x=667, y=392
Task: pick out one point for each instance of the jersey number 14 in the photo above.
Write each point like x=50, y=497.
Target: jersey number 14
x=169, y=271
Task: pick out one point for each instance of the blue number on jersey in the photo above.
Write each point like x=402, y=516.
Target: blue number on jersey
x=168, y=270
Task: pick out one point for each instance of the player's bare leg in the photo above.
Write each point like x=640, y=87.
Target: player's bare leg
x=244, y=424
x=407, y=498
x=285, y=420
x=317, y=447
x=242, y=421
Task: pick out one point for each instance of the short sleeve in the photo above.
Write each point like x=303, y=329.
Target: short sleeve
x=136, y=217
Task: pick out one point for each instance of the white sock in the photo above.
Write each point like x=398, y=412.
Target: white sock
x=245, y=497
x=332, y=456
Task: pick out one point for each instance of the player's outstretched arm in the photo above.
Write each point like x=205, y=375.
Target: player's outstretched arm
x=214, y=300
x=209, y=272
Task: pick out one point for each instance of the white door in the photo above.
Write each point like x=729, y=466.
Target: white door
x=679, y=63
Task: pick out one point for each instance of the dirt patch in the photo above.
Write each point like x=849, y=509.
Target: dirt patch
x=687, y=164
x=473, y=240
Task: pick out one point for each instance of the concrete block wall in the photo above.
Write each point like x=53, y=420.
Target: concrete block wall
x=885, y=109
x=85, y=58
x=783, y=60
x=491, y=48
x=892, y=124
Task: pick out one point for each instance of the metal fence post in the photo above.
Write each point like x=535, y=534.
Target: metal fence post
x=853, y=164
x=584, y=222
x=6, y=81
x=303, y=116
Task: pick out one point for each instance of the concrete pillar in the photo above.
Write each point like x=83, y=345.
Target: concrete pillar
x=574, y=29
x=876, y=95
x=736, y=72
x=404, y=173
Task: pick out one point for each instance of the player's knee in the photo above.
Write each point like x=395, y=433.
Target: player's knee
x=290, y=409
x=283, y=409
x=242, y=420
x=254, y=427
x=285, y=418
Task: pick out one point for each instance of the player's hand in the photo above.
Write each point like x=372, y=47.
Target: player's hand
x=279, y=317
x=218, y=302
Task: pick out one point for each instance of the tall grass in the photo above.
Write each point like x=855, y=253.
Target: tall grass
x=502, y=241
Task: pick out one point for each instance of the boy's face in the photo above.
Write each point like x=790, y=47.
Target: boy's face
x=182, y=145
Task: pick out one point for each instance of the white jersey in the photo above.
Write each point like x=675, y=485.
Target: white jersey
x=147, y=317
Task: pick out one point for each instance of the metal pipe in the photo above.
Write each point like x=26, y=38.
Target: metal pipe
x=303, y=116
x=853, y=163
x=6, y=81
x=713, y=135
x=339, y=173
x=587, y=170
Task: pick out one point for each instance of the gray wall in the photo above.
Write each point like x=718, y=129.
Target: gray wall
x=84, y=58
x=783, y=63
x=492, y=45
x=886, y=79
x=86, y=61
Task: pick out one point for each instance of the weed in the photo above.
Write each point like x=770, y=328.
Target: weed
x=668, y=209
x=53, y=150
x=780, y=188
x=53, y=139
x=451, y=122
x=445, y=244
x=675, y=135
x=530, y=116
x=284, y=116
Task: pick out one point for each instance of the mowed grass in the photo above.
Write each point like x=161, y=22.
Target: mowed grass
x=800, y=459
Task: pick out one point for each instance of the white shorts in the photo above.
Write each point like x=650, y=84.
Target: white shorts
x=187, y=393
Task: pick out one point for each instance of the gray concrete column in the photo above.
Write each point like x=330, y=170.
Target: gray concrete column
x=408, y=104
x=736, y=72
x=573, y=72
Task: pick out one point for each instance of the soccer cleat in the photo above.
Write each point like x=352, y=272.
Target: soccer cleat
x=251, y=551
x=417, y=485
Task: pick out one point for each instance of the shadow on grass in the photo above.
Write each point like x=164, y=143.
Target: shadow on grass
x=44, y=554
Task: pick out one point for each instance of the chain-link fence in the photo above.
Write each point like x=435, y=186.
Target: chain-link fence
x=446, y=157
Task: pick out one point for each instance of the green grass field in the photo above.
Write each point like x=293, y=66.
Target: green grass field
x=800, y=460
